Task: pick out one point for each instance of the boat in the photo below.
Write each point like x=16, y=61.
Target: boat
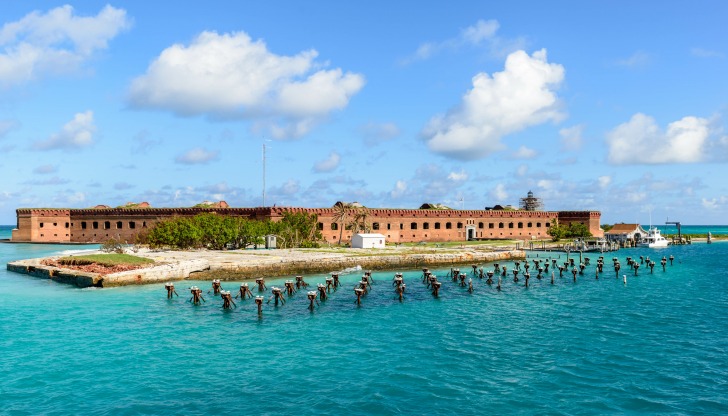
x=590, y=245
x=653, y=239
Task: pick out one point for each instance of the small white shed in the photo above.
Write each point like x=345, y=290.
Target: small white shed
x=369, y=240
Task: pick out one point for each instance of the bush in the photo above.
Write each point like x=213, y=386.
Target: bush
x=112, y=246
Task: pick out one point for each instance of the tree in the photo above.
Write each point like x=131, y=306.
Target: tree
x=557, y=231
x=361, y=221
x=341, y=213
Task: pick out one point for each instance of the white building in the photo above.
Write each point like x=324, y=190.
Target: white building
x=367, y=241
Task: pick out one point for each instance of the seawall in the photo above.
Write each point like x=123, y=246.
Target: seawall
x=227, y=266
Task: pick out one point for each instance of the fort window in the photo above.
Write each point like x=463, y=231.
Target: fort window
x=500, y=225
x=426, y=226
x=520, y=225
x=119, y=224
x=401, y=227
x=510, y=225
x=55, y=224
x=334, y=226
x=480, y=225
x=66, y=225
x=41, y=225
x=530, y=224
x=448, y=225
x=437, y=225
x=538, y=225
x=389, y=226
x=413, y=226
x=83, y=225
x=460, y=225
x=548, y=224
x=375, y=226
x=96, y=225
x=320, y=226
x=107, y=225
x=132, y=225
x=491, y=225
x=144, y=224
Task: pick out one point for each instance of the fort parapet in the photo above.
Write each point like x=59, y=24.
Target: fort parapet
x=96, y=225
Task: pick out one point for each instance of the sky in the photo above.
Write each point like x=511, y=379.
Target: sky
x=616, y=106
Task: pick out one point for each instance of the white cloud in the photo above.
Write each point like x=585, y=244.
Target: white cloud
x=328, y=164
x=196, y=156
x=376, y=133
x=714, y=203
x=522, y=170
x=399, y=189
x=55, y=42
x=483, y=32
x=499, y=193
x=640, y=140
x=230, y=76
x=458, y=176
x=638, y=59
x=524, y=152
x=604, y=181
x=571, y=137
x=76, y=134
x=521, y=96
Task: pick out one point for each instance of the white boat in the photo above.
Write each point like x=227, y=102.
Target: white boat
x=653, y=239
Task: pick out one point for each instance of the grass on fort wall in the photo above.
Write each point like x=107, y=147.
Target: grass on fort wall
x=107, y=260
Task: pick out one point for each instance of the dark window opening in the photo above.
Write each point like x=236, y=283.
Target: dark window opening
x=41, y=225
x=448, y=225
x=119, y=224
x=426, y=226
x=437, y=225
x=83, y=225
x=510, y=225
x=481, y=225
x=107, y=225
x=334, y=226
x=320, y=226
x=132, y=225
x=95, y=225
x=520, y=225
x=460, y=225
x=375, y=226
x=413, y=226
x=491, y=225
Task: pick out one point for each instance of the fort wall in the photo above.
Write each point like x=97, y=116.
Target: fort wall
x=397, y=225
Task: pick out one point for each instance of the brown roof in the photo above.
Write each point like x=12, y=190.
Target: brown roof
x=623, y=228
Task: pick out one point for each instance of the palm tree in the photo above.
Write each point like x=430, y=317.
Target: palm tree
x=361, y=220
x=341, y=213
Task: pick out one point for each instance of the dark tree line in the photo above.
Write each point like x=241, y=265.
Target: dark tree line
x=217, y=232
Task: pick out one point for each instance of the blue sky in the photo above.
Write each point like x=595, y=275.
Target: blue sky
x=613, y=106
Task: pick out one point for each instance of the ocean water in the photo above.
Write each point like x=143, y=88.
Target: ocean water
x=715, y=230
x=657, y=345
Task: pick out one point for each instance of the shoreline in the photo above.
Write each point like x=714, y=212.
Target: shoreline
x=249, y=264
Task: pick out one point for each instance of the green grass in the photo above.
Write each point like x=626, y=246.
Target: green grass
x=108, y=260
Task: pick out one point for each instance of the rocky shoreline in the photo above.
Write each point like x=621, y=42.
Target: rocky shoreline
x=249, y=264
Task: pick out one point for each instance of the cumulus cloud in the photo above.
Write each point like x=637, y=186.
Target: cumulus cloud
x=604, y=181
x=522, y=95
x=55, y=42
x=483, y=32
x=641, y=141
x=571, y=137
x=400, y=187
x=328, y=164
x=714, y=203
x=76, y=134
x=499, y=193
x=524, y=152
x=196, y=156
x=376, y=133
x=231, y=76
x=458, y=176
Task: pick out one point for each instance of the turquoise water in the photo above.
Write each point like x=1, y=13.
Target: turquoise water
x=655, y=345
x=716, y=230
